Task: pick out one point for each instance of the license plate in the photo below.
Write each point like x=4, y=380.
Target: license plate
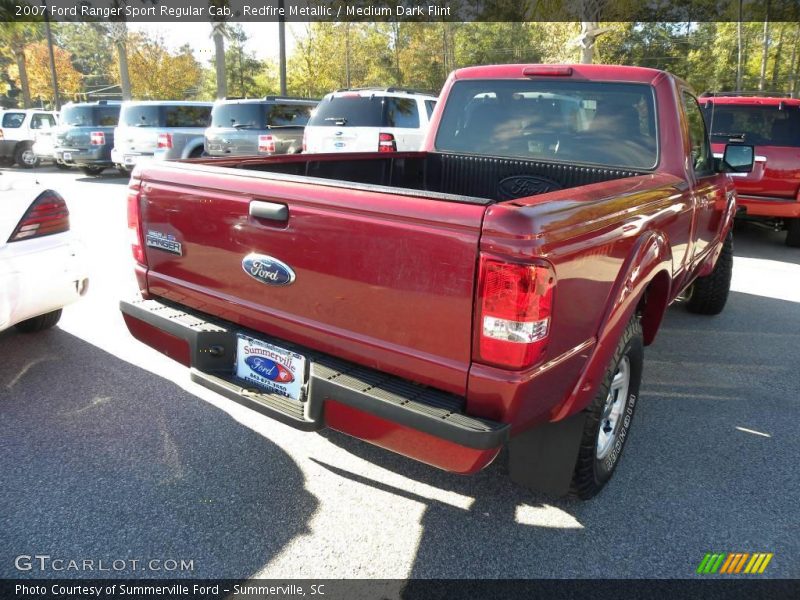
x=67, y=156
x=129, y=160
x=272, y=368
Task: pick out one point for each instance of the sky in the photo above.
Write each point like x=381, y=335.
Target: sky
x=263, y=40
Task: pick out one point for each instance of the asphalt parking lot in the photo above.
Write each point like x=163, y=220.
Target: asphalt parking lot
x=108, y=451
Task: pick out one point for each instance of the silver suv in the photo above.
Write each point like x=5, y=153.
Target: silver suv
x=246, y=127
x=159, y=129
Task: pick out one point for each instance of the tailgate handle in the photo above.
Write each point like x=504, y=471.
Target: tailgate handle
x=269, y=210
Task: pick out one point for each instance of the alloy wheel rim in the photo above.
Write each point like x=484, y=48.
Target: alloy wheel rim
x=614, y=409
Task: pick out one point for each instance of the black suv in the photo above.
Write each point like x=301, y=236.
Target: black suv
x=246, y=127
x=85, y=135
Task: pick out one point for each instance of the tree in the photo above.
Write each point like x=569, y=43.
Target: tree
x=14, y=37
x=92, y=55
x=158, y=74
x=37, y=59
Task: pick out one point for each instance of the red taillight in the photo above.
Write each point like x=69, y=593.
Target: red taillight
x=47, y=215
x=266, y=143
x=516, y=301
x=165, y=140
x=134, y=226
x=386, y=143
x=97, y=138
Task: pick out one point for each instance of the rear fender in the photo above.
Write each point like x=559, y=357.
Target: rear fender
x=649, y=263
x=191, y=146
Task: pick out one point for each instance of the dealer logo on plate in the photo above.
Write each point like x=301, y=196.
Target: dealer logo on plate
x=269, y=369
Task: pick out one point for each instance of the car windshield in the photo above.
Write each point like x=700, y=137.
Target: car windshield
x=285, y=115
x=349, y=110
x=142, y=115
x=605, y=123
x=761, y=125
x=242, y=116
x=13, y=120
x=90, y=116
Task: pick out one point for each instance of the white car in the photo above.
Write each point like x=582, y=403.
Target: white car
x=42, y=265
x=18, y=129
x=369, y=120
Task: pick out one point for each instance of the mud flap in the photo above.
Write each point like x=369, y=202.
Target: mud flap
x=543, y=459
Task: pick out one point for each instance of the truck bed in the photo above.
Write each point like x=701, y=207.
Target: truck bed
x=444, y=176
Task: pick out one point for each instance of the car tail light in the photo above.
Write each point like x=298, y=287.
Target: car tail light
x=97, y=138
x=266, y=143
x=516, y=301
x=305, y=143
x=46, y=215
x=164, y=140
x=134, y=223
x=547, y=70
x=386, y=143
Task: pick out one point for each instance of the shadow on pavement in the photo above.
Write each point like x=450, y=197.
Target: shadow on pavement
x=710, y=465
x=103, y=460
x=754, y=241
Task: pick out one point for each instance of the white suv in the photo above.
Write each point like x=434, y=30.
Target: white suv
x=369, y=120
x=18, y=129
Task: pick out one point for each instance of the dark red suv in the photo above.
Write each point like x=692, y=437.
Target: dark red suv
x=771, y=192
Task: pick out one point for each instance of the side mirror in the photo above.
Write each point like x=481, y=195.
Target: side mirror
x=738, y=158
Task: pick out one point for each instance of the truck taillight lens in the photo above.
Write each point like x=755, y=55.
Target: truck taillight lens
x=266, y=143
x=164, y=140
x=134, y=224
x=516, y=301
x=386, y=143
x=47, y=215
x=97, y=138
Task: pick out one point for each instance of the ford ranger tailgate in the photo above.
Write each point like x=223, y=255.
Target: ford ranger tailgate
x=382, y=279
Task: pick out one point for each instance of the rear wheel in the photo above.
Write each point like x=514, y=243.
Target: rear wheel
x=124, y=170
x=793, y=232
x=196, y=153
x=40, y=323
x=92, y=171
x=608, y=418
x=25, y=157
x=710, y=293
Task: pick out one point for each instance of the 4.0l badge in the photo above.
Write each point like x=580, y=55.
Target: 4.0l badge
x=267, y=269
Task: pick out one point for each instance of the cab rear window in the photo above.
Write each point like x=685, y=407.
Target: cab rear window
x=605, y=123
x=760, y=125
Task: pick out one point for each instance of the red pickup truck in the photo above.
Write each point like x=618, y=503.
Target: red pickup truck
x=495, y=289
x=771, y=192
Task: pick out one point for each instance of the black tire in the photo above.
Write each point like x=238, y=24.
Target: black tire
x=24, y=157
x=597, y=460
x=40, y=323
x=124, y=170
x=197, y=152
x=710, y=293
x=793, y=233
x=92, y=171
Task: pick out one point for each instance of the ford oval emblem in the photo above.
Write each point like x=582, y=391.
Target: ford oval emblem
x=520, y=186
x=269, y=369
x=267, y=269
